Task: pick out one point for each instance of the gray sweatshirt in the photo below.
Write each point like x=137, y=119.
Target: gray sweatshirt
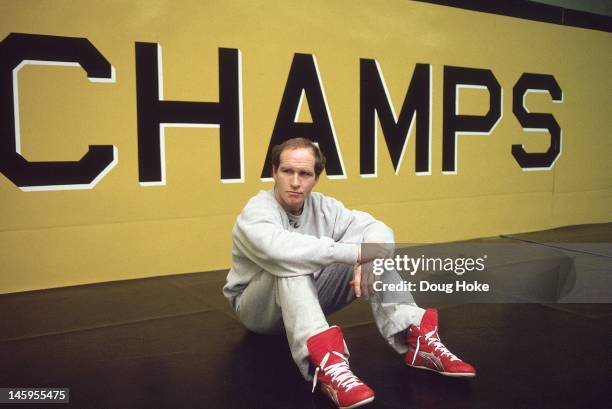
x=267, y=238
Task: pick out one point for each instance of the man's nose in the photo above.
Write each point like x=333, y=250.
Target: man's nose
x=295, y=180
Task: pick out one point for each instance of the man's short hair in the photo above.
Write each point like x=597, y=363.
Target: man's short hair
x=296, y=143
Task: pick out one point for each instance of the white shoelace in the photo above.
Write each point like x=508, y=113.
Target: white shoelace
x=339, y=372
x=437, y=344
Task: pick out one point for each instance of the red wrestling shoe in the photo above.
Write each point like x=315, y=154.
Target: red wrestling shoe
x=426, y=351
x=332, y=370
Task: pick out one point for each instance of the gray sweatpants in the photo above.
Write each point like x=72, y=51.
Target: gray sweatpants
x=298, y=305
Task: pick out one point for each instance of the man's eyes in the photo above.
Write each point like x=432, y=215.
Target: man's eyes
x=303, y=173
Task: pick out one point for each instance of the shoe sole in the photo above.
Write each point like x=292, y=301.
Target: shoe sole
x=331, y=394
x=363, y=402
x=449, y=374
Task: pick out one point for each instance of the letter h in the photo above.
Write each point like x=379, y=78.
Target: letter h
x=155, y=113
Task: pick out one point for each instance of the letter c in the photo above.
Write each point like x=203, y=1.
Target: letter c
x=17, y=50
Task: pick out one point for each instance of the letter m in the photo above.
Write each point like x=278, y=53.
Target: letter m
x=375, y=103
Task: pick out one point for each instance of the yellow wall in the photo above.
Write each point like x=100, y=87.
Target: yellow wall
x=120, y=229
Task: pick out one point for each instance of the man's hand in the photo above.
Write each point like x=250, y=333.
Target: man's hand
x=366, y=254
x=356, y=283
x=363, y=280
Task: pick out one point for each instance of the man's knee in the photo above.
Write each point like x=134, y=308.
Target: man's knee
x=386, y=234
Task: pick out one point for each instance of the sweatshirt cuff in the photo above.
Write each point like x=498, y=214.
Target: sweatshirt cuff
x=346, y=253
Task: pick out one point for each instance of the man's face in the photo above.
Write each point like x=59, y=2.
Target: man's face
x=295, y=178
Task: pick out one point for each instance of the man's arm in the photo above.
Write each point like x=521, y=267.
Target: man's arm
x=354, y=226
x=260, y=236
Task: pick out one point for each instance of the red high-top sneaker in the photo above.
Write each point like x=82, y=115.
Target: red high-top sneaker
x=338, y=382
x=426, y=351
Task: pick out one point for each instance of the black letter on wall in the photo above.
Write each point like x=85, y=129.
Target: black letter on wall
x=17, y=50
x=304, y=76
x=154, y=113
x=375, y=102
x=455, y=124
x=536, y=121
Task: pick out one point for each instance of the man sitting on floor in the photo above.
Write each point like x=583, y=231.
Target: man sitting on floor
x=297, y=257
